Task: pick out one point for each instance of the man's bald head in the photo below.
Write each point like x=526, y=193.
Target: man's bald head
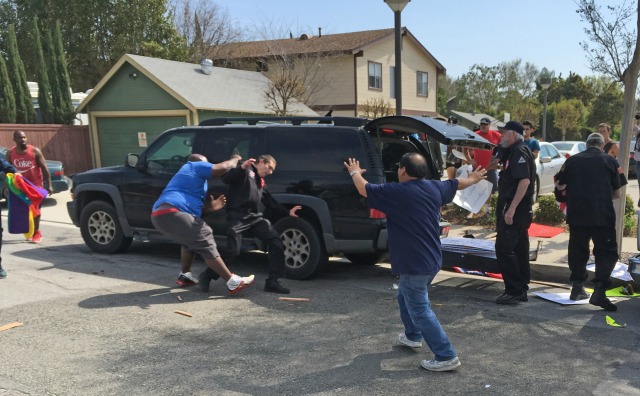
x=197, y=158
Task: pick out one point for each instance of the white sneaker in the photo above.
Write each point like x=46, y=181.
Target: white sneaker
x=237, y=283
x=445, y=365
x=402, y=338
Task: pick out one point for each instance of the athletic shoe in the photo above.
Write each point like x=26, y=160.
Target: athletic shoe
x=445, y=365
x=402, y=338
x=3, y=273
x=37, y=237
x=237, y=283
x=186, y=279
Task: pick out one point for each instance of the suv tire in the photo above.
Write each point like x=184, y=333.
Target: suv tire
x=365, y=258
x=100, y=228
x=304, y=253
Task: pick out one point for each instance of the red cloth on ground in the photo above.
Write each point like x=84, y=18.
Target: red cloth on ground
x=543, y=231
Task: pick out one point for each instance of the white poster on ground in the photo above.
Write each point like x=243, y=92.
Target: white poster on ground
x=472, y=198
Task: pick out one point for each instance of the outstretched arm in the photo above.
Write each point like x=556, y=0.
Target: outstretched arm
x=472, y=178
x=223, y=167
x=353, y=166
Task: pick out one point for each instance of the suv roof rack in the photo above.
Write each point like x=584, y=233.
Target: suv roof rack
x=337, y=121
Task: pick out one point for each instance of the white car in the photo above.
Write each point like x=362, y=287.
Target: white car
x=548, y=164
x=570, y=148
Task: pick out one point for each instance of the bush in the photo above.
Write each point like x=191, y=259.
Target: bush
x=630, y=220
x=548, y=211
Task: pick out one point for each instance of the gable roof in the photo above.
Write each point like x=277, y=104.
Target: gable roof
x=342, y=43
x=222, y=90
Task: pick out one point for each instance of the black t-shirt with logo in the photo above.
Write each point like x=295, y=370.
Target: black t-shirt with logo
x=517, y=164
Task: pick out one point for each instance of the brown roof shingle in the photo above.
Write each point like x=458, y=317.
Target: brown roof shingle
x=326, y=44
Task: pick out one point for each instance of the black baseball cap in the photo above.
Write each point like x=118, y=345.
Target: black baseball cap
x=512, y=126
x=485, y=120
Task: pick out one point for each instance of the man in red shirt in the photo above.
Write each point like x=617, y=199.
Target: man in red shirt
x=30, y=162
x=483, y=157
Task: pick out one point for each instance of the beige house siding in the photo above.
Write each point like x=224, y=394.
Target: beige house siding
x=413, y=60
x=334, y=82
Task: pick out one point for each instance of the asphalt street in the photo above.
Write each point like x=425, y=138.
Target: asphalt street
x=106, y=324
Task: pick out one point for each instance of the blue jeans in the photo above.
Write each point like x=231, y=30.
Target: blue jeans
x=418, y=318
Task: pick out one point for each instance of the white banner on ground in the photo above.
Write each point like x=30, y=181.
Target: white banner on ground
x=472, y=198
x=620, y=271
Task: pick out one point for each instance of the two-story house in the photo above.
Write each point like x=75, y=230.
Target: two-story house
x=345, y=72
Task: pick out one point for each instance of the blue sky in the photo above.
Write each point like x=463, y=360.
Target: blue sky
x=458, y=33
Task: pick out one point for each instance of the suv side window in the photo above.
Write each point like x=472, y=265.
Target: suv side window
x=313, y=149
x=221, y=144
x=170, y=153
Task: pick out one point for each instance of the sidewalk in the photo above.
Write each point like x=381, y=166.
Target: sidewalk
x=551, y=265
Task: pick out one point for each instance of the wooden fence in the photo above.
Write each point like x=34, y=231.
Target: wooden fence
x=66, y=143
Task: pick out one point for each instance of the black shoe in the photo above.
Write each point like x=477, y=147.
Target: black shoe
x=508, y=299
x=205, y=278
x=578, y=292
x=599, y=299
x=273, y=286
x=523, y=297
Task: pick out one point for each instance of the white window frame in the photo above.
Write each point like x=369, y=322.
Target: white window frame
x=424, y=84
x=376, y=68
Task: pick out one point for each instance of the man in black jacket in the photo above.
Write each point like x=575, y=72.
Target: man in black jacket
x=5, y=167
x=246, y=191
x=591, y=180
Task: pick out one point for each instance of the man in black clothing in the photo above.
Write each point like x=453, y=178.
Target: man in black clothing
x=5, y=167
x=246, y=191
x=513, y=212
x=591, y=180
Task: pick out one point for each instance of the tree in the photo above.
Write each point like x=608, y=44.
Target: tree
x=205, y=26
x=614, y=51
x=52, y=73
x=527, y=109
x=44, y=88
x=285, y=87
x=374, y=108
x=479, y=89
x=25, y=113
x=7, y=98
x=607, y=106
x=567, y=115
x=66, y=106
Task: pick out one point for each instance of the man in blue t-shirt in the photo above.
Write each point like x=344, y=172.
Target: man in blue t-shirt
x=177, y=214
x=532, y=143
x=412, y=208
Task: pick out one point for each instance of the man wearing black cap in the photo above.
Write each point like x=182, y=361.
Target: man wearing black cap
x=591, y=181
x=513, y=213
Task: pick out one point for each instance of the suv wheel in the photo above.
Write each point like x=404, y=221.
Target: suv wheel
x=304, y=253
x=365, y=258
x=101, y=229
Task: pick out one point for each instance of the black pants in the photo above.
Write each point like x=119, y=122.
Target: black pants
x=512, y=253
x=605, y=250
x=260, y=228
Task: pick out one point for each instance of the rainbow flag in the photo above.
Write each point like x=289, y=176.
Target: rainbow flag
x=24, y=201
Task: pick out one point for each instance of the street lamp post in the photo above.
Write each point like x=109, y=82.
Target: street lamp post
x=545, y=83
x=397, y=6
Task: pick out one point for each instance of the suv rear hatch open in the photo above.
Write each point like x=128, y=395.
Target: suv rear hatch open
x=441, y=131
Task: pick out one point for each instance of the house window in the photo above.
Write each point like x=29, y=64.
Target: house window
x=423, y=83
x=375, y=75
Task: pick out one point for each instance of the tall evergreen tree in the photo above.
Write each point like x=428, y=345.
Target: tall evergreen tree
x=53, y=74
x=7, y=98
x=66, y=106
x=25, y=113
x=44, y=88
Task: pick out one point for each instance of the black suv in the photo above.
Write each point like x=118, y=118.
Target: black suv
x=113, y=205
